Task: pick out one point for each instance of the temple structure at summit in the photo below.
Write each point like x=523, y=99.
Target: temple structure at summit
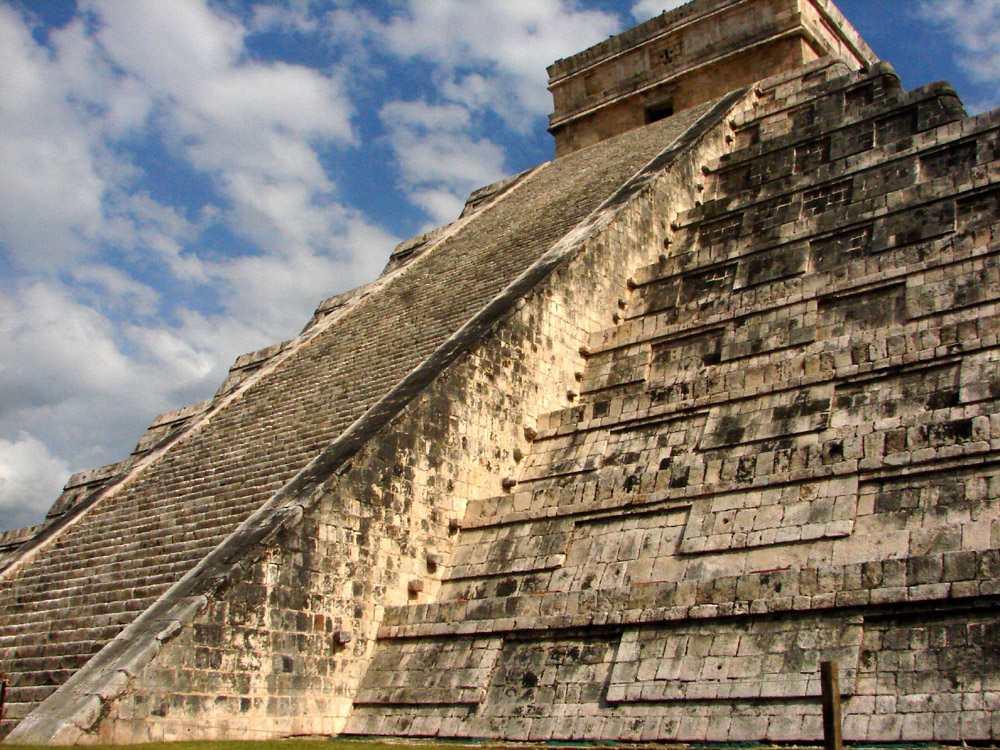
x=718, y=401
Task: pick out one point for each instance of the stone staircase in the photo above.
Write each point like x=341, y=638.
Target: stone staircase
x=126, y=533
x=79, y=592
x=783, y=451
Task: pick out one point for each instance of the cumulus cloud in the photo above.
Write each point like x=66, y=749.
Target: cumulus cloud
x=974, y=26
x=493, y=53
x=125, y=298
x=84, y=384
x=51, y=187
x=488, y=59
x=96, y=336
x=441, y=160
x=252, y=127
x=645, y=9
x=28, y=472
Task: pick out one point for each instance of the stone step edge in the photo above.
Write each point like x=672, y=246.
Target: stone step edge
x=808, y=91
x=550, y=425
x=966, y=246
x=982, y=179
x=826, y=175
x=668, y=269
x=147, y=582
x=972, y=574
x=138, y=545
x=972, y=244
x=981, y=448
x=679, y=498
x=81, y=620
x=914, y=97
x=790, y=352
x=831, y=173
x=886, y=204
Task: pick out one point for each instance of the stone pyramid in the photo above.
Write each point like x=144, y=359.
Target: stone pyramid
x=623, y=453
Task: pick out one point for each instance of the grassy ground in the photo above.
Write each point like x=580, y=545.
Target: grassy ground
x=324, y=743
x=318, y=743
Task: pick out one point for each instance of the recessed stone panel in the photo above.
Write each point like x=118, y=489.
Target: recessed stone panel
x=978, y=210
x=616, y=551
x=837, y=251
x=767, y=332
x=773, y=212
x=896, y=127
x=819, y=200
x=576, y=452
x=616, y=368
x=967, y=284
x=430, y=672
x=947, y=161
x=715, y=237
x=767, y=417
x=904, y=395
x=862, y=310
x=980, y=378
x=771, y=265
x=812, y=154
x=772, y=515
x=533, y=675
x=511, y=548
x=742, y=659
x=676, y=357
x=919, y=224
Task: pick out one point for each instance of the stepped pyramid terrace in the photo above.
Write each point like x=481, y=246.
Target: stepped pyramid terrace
x=718, y=401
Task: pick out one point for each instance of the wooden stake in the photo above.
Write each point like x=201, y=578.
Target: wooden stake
x=832, y=726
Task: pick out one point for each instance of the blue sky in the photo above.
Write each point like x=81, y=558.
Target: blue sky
x=183, y=180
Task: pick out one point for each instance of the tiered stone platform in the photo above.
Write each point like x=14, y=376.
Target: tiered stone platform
x=623, y=453
x=207, y=485
x=784, y=452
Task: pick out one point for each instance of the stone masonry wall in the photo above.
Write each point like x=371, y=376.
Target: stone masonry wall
x=267, y=656
x=688, y=56
x=278, y=641
x=785, y=451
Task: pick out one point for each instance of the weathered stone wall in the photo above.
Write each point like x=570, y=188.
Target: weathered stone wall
x=688, y=90
x=251, y=645
x=689, y=56
x=785, y=452
x=266, y=656
x=716, y=401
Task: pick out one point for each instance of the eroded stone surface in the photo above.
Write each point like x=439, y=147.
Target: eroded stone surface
x=716, y=400
x=783, y=453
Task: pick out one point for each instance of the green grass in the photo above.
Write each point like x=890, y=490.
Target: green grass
x=328, y=743
x=313, y=743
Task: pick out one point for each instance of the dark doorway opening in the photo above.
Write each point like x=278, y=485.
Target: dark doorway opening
x=659, y=112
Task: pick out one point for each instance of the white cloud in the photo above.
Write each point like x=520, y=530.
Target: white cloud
x=28, y=472
x=253, y=127
x=493, y=53
x=488, y=57
x=94, y=337
x=94, y=341
x=51, y=190
x=68, y=378
x=646, y=9
x=975, y=28
x=440, y=160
